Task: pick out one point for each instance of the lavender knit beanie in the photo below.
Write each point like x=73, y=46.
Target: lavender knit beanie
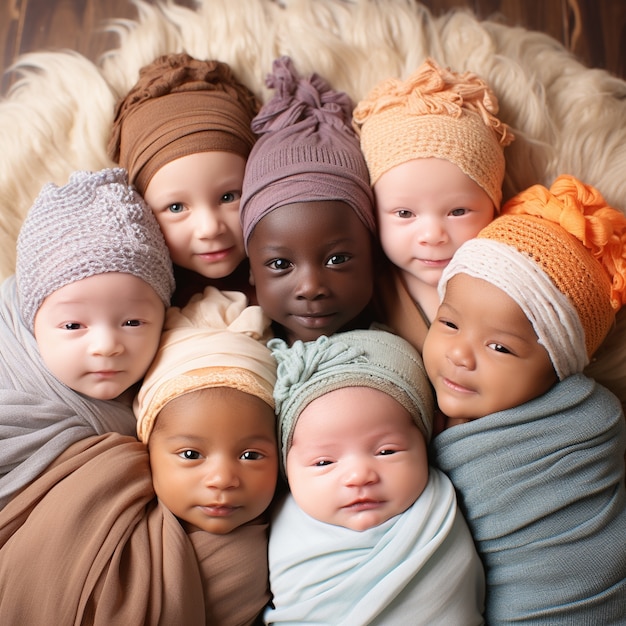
x=307, y=150
x=96, y=223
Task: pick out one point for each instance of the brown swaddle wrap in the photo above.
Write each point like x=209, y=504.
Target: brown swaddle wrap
x=88, y=542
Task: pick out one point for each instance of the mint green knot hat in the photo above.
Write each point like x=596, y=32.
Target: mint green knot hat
x=359, y=358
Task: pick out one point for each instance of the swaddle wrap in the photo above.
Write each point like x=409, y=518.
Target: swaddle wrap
x=419, y=567
x=542, y=489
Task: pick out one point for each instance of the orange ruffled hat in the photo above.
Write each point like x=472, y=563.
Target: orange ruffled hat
x=570, y=235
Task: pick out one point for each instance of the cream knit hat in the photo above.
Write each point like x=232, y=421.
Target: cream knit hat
x=435, y=113
x=216, y=340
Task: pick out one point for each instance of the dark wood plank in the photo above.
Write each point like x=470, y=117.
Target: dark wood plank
x=594, y=30
x=33, y=25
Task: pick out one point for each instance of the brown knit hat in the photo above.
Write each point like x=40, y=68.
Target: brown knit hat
x=435, y=113
x=561, y=255
x=180, y=106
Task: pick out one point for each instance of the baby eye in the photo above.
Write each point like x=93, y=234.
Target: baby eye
x=337, y=259
x=279, y=264
x=448, y=323
x=189, y=455
x=322, y=463
x=404, y=213
x=498, y=347
x=251, y=455
x=231, y=196
x=458, y=212
x=132, y=323
x=72, y=326
x=387, y=452
x=177, y=207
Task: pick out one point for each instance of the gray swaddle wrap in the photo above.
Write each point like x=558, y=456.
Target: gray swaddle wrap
x=40, y=416
x=542, y=489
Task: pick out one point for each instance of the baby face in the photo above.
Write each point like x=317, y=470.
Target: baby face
x=481, y=352
x=214, y=458
x=196, y=201
x=99, y=335
x=426, y=209
x=312, y=266
x=357, y=458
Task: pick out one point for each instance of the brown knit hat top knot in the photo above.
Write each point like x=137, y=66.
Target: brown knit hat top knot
x=180, y=106
x=435, y=113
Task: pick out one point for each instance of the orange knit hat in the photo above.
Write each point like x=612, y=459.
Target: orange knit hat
x=435, y=113
x=561, y=255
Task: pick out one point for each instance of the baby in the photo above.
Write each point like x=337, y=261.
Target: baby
x=206, y=412
x=434, y=149
x=176, y=533
x=80, y=321
x=307, y=210
x=370, y=534
x=536, y=448
x=183, y=132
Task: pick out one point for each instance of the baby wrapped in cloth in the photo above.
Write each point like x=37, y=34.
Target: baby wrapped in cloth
x=542, y=484
x=89, y=542
x=417, y=567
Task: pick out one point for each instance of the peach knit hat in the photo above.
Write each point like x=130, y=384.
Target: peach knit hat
x=560, y=253
x=435, y=113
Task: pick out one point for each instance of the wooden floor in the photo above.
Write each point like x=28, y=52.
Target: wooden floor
x=595, y=30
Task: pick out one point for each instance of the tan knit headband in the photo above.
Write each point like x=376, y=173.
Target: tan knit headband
x=435, y=113
x=217, y=340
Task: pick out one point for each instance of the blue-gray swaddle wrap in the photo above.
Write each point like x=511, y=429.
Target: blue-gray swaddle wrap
x=39, y=416
x=542, y=488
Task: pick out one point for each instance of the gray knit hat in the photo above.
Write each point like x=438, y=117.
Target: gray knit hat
x=358, y=358
x=96, y=223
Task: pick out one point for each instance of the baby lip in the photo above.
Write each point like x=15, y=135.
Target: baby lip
x=219, y=510
x=363, y=504
x=454, y=386
x=314, y=314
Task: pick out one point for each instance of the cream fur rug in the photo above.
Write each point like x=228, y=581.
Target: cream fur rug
x=567, y=118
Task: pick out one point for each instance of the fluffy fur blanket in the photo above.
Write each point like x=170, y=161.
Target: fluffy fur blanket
x=568, y=119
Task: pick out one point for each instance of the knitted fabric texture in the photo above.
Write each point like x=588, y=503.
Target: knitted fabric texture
x=358, y=358
x=216, y=340
x=180, y=106
x=561, y=255
x=306, y=152
x=435, y=113
x=96, y=223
